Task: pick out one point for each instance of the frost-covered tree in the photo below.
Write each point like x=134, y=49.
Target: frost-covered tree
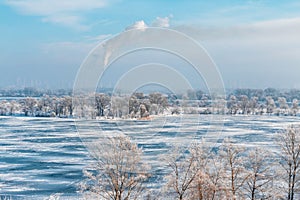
x=144, y=111
x=118, y=172
x=204, y=101
x=3, y=107
x=12, y=107
x=134, y=104
x=295, y=107
x=270, y=104
x=260, y=175
x=101, y=101
x=232, y=105
x=29, y=106
x=219, y=106
x=207, y=185
x=119, y=106
x=44, y=105
x=159, y=100
x=289, y=142
x=235, y=172
x=283, y=106
x=183, y=171
x=244, y=104
x=68, y=105
x=253, y=104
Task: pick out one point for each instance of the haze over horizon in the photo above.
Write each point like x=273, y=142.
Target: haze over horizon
x=254, y=43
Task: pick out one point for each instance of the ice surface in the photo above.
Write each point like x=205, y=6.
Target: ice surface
x=44, y=156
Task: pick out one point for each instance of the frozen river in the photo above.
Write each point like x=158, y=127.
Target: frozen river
x=40, y=157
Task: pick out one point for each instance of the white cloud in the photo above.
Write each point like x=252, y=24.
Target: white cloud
x=138, y=25
x=72, y=21
x=163, y=22
x=260, y=54
x=65, y=12
x=268, y=31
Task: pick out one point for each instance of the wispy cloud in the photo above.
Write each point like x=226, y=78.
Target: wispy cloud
x=68, y=20
x=67, y=12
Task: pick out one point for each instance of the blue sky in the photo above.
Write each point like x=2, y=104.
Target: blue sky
x=254, y=43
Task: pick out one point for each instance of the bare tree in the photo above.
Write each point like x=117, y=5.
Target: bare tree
x=207, y=184
x=120, y=106
x=283, y=106
x=235, y=172
x=184, y=170
x=232, y=105
x=259, y=184
x=118, y=173
x=29, y=106
x=270, y=104
x=69, y=106
x=12, y=107
x=160, y=100
x=253, y=104
x=244, y=104
x=289, y=142
x=101, y=101
x=295, y=107
x=134, y=104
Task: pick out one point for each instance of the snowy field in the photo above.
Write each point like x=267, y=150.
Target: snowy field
x=40, y=157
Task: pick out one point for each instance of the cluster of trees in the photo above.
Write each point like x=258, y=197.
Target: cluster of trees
x=244, y=101
x=38, y=107
x=279, y=106
x=199, y=172
x=92, y=106
x=272, y=92
x=140, y=105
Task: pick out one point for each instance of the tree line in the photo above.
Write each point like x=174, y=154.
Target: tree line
x=140, y=105
x=198, y=172
x=92, y=106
